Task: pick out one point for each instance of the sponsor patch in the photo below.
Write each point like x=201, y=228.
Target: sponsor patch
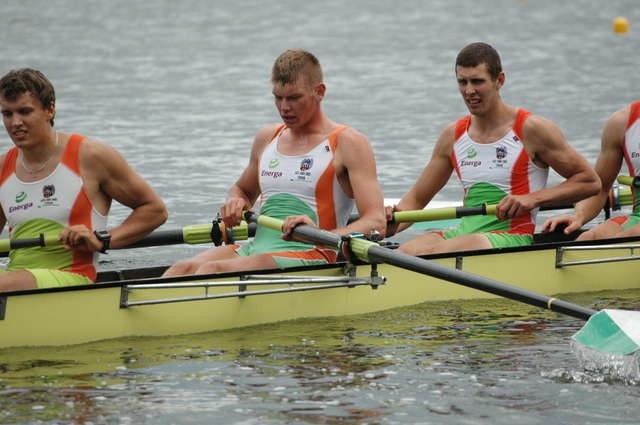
x=21, y=197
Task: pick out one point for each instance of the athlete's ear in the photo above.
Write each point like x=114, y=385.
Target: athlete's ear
x=320, y=89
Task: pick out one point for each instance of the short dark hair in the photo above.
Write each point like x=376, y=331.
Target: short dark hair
x=19, y=81
x=292, y=64
x=475, y=54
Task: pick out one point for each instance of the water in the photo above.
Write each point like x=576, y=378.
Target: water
x=180, y=89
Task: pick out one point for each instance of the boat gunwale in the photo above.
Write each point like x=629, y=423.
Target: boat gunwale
x=341, y=264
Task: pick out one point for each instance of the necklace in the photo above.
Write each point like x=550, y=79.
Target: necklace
x=33, y=171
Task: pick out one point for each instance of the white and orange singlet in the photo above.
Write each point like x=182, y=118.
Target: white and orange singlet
x=48, y=206
x=299, y=185
x=490, y=171
x=631, y=153
x=631, y=149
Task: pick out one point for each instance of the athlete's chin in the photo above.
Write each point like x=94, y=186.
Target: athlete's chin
x=19, y=141
x=474, y=108
x=477, y=111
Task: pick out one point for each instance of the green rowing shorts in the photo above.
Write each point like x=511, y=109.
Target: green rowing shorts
x=497, y=239
x=627, y=221
x=51, y=278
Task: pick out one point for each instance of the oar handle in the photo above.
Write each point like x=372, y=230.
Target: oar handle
x=414, y=216
x=629, y=181
x=44, y=239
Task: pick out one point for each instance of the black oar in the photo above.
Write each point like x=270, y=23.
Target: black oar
x=193, y=234
x=603, y=331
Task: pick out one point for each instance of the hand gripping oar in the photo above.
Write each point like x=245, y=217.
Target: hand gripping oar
x=193, y=234
x=618, y=198
x=603, y=331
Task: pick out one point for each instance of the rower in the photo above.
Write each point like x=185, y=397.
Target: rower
x=620, y=139
x=502, y=155
x=306, y=170
x=64, y=184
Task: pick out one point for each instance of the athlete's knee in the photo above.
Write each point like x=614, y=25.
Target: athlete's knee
x=412, y=248
x=182, y=268
x=586, y=236
x=212, y=267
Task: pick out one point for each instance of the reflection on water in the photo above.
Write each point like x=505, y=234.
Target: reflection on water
x=444, y=360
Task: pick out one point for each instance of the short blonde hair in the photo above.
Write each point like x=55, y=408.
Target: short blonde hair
x=295, y=63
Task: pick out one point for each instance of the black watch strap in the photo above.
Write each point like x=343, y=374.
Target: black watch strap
x=104, y=237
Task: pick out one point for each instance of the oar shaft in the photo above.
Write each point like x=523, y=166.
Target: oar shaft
x=378, y=253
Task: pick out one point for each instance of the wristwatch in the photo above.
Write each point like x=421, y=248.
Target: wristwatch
x=104, y=237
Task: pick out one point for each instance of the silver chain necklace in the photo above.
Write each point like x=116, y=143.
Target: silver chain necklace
x=33, y=171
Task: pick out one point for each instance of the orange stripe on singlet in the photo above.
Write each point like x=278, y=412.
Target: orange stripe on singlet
x=325, y=199
x=9, y=165
x=520, y=178
x=81, y=211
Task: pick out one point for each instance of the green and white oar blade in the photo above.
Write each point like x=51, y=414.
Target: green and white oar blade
x=614, y=332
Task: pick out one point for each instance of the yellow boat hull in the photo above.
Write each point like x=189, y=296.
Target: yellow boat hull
x=109, y=310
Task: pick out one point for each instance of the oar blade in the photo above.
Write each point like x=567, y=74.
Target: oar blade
x=615, y=332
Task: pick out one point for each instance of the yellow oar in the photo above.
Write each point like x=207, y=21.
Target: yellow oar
x=628, y=181
x=618, y=198
x=193, y=234
x=414, y=216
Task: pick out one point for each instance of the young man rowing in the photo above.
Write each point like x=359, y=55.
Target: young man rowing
x=52, y=181
x=502, y=155
x=308, y=170
x=620, y=139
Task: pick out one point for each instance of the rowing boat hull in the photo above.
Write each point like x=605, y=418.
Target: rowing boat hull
x=108, y=310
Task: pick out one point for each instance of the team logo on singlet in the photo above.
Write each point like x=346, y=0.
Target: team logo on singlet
x=274, y=163
x=471, y=153
x=501, y=154
x=304, y=174
x=48, y=190
x=306, y=164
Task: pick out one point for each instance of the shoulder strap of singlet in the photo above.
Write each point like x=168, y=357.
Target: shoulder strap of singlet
x=333, y=137
x=521, y=117
x=461, y=126
x=278, y=131
x=634, y=113
x=71, y=155
x=9, y=165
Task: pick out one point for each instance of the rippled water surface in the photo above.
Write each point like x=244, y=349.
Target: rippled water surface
x=180, y=88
